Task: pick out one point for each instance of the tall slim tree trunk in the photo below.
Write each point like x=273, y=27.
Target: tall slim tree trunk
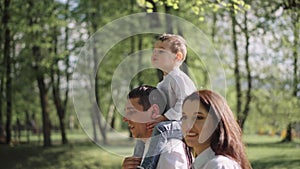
x=140, y=46
x=155, y=22
x=184, y=66
x=6, y=51
x=27, y=126
x=236, y=65
x=45, y=111
x=295, y=20
x=169, y=28
x=295, y=53
x=1, y=91
x=96, y=110
x=43, y=97
x=248, y=98
x=213, y=31
x=94, y=26
x=59, y=109
x=2, y=74
x=55, y=81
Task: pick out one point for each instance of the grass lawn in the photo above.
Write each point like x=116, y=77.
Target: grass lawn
x=267, y=152
x=264, y=153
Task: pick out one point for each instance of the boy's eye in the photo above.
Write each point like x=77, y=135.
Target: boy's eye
x=161, y=51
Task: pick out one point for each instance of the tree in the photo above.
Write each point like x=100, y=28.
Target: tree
x=274, y=39
x=7, y=56
x=56, y=74
x=40, y=24
x=242, y=112
x=293, y=10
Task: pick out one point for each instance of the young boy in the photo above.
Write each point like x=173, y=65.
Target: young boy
x=169, y=53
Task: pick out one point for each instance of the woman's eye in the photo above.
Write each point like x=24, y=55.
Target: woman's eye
x=200, y=117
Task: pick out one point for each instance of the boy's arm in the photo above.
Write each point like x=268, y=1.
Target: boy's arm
x=160, y=118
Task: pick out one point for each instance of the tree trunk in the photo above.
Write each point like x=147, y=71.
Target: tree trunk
x=60, y=109
x=184, y=66
x=94, y=125
x=60, y=112
x=213, y=31
x=288, y=137
x=27, y=126
x=7, y=57
x=169, y=28
x=94, y=26
x=295, y=20
x=1, y=93
x=63, y=130
x=45, y=112
x=154, y=18
x=295, y=53
x=248, y=98
x=96, y=110
x=43, y=98
x=236, y=66
x=140, y=46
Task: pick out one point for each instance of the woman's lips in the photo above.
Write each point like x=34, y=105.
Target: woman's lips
x=191, y=134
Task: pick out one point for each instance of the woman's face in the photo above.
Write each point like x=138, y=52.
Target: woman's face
x=194, y=116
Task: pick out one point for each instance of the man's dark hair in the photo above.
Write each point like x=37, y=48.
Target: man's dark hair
x=148, y=95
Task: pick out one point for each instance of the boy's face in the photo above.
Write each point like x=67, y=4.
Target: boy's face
x=162, y=57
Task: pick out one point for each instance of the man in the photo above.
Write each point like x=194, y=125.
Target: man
x=145, y=104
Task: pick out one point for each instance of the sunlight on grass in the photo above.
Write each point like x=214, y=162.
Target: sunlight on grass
x=264, y=152
x=267, y=152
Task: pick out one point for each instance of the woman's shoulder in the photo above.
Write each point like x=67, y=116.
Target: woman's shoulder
x=222, y=162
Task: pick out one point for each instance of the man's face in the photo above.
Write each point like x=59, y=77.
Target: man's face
x=137, y=118
x=162, y=57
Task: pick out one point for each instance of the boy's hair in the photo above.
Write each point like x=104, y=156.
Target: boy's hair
x=148, y=95
x=178, y=43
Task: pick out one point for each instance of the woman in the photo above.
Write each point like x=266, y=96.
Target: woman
x=212, y=132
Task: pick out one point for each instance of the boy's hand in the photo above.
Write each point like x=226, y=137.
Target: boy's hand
x=157, y=119
x=131, y=162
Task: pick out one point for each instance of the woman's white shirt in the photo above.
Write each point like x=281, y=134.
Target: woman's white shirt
x=208, y=160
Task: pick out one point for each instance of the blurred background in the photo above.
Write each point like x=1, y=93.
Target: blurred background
x=257, y=42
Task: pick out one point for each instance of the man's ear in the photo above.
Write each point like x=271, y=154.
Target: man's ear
x=155, y=111
x=179, y=56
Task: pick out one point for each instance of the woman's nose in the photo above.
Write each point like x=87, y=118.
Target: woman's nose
x=188, y=124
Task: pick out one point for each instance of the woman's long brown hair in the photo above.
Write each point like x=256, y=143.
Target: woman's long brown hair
x=227, y=138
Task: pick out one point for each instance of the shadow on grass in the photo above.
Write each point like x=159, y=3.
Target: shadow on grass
x=275, y=144
x=276, y=162
x=275, y=155
x=25, y=156
x=84, y=155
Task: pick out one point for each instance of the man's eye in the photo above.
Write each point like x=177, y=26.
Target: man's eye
x=130, y=113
